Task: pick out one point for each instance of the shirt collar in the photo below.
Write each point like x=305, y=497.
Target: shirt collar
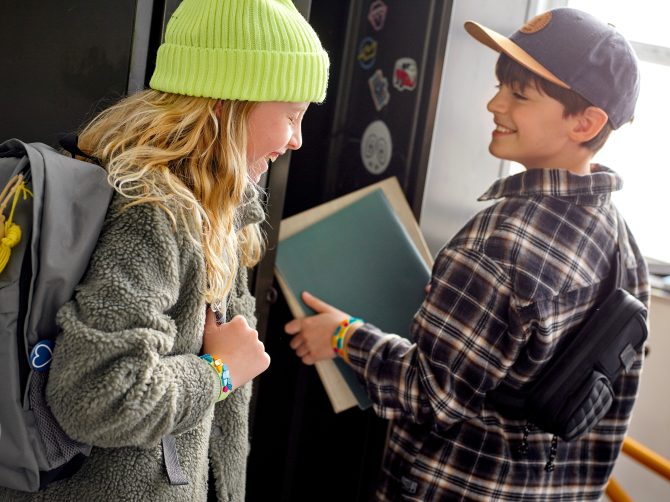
x=591, y=189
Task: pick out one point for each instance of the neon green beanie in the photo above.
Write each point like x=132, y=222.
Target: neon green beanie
x=251, y=50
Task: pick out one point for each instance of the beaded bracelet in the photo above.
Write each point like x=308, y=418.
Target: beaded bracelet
x=224, y=374
x=337, y=341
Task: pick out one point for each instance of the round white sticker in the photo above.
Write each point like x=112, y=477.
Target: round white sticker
x=376, y=147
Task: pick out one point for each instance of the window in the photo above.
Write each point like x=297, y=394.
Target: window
x=640, y=151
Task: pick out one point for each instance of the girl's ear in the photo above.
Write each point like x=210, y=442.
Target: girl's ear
x=588, y=124
x=217, y=109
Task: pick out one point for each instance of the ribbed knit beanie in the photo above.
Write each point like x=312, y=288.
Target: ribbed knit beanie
x=251, y=50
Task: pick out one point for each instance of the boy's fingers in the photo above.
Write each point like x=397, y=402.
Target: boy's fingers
x=315, y=303
x=295, y=342
x=292, y=327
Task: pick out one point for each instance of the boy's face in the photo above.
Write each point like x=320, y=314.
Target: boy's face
x=530, y=128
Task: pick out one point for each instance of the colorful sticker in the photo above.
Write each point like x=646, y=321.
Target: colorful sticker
x=379, y=87
x=376, y=147
x=367, y=53
x=377, y=14
x=405, y=74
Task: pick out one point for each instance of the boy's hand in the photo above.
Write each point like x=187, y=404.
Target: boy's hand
x=312, y=334
x=237, y=345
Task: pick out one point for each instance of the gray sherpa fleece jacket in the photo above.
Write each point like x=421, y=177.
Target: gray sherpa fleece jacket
x=126, y=369
x=229, y=439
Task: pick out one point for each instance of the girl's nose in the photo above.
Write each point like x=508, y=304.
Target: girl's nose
x=296, y=140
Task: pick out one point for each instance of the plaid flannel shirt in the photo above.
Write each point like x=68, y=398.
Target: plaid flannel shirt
x=520, y=276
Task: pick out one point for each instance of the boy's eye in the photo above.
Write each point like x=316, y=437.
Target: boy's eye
x=518, y=95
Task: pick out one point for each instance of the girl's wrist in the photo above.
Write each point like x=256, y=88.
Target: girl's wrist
x=223, y=372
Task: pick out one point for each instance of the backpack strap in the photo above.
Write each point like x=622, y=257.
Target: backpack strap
x=70, y=142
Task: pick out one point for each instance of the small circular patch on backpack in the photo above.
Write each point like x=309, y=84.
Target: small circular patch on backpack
x=537, y=23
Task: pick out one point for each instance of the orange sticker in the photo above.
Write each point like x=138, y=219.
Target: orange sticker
x=537, y=23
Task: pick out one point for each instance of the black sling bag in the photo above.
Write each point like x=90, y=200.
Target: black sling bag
x=574, y=391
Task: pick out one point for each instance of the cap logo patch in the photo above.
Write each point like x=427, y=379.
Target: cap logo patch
x=537, y=23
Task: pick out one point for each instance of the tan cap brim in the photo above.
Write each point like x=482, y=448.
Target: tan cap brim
x=500, y=43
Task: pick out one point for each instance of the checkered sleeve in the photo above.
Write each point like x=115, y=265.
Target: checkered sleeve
x=462, y=346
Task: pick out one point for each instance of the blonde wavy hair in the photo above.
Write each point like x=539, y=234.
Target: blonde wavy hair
x=159, y=147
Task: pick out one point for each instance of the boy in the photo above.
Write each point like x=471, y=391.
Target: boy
x=516, y=281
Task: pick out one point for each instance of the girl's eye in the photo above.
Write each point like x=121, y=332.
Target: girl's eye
x=520, y=96
x=292, y=120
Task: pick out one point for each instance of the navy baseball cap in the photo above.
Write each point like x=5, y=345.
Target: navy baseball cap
x=577, y=51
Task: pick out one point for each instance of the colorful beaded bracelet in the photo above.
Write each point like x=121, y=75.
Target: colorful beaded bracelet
x=337, y=341
x=223, y=372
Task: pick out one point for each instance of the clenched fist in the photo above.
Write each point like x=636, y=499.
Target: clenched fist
x=237, y=345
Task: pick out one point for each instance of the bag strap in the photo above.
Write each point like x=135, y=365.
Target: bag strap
x=70, y=142
x=620, y=277
x=513, y=401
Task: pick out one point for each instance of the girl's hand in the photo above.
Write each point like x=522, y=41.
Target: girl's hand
x=237, y=345
x=312, y=335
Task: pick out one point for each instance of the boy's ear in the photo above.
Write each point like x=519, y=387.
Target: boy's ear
x=588, y=124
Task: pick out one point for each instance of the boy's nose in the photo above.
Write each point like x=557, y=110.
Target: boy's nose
x=496, y=104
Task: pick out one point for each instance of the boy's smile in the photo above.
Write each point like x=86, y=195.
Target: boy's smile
x=530, y=128
x=502, y=130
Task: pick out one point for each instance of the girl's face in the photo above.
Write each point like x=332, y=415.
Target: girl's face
x=273, y=128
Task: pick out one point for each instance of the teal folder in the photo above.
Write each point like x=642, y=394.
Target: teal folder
x=361, y=260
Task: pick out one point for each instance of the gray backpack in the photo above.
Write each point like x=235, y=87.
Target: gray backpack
x=60, y=223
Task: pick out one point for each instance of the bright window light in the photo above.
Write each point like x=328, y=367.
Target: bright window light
x=640, y=151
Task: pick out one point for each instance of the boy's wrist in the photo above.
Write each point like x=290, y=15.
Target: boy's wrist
x=350, y=332
x=342, y=334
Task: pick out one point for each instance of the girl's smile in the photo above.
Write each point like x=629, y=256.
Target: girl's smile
x=274, y=127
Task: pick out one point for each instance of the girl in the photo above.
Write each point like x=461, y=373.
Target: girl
x=142, y=360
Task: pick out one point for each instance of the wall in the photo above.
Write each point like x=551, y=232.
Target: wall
x=460, y=167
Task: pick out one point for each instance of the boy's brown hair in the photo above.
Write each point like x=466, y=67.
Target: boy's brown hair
x=511, y=73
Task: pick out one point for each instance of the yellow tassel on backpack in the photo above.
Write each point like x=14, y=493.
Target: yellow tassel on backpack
x=10, y=232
